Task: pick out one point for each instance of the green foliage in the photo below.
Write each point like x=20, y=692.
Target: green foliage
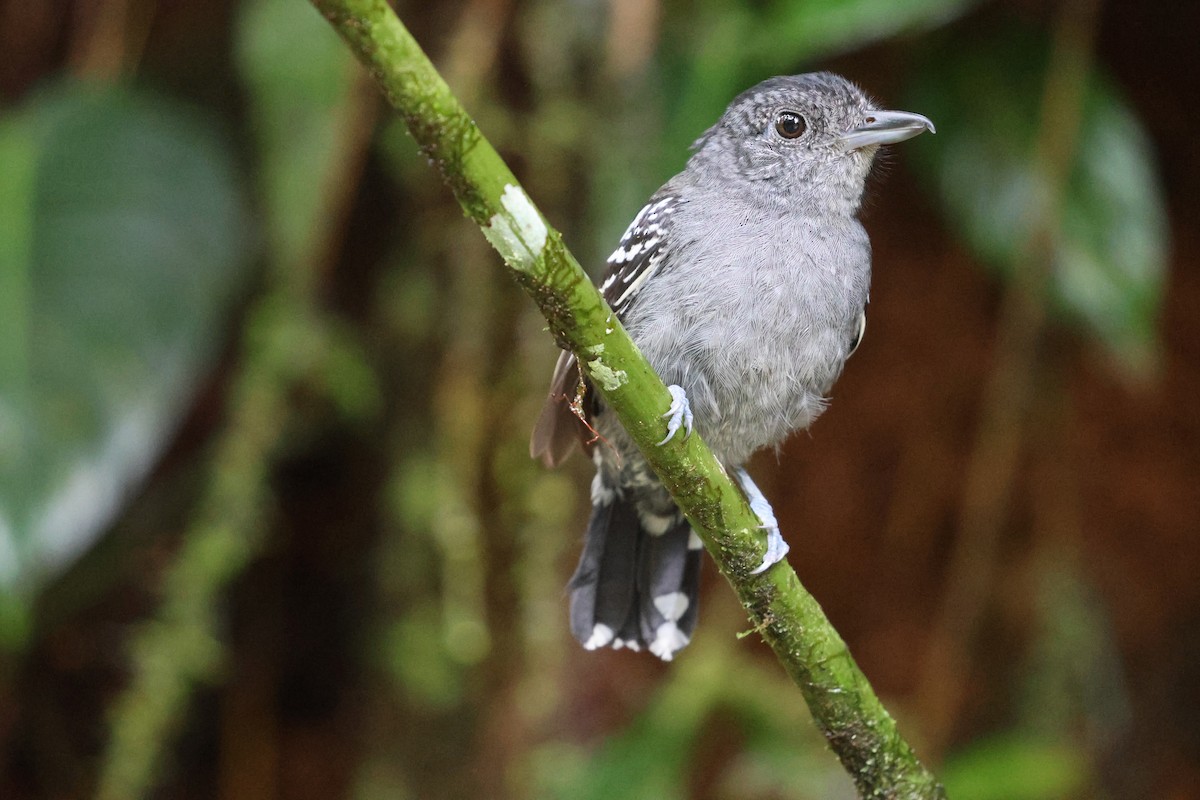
x=1016, y=767
x=717, y=688
x=1110, y=248
x=1074, y=686
x=126, y=242
x=300, y=79
x=414, y=652
x=1073, y=698
x=726, y=47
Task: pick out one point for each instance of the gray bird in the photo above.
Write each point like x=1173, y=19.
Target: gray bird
x=744, y=281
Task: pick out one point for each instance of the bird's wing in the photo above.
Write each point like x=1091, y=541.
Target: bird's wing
x=640, y=253
x=636, y=259
x=559, y=427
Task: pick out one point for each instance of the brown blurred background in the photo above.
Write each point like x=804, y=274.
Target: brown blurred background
x=268, y=525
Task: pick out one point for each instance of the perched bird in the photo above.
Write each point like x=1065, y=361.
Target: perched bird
x=744, y=281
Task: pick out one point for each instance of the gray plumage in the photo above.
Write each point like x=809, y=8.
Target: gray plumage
x=744, y=280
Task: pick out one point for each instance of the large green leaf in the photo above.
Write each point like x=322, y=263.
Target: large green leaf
x=814, y=29
x=126, y=239
x=1111, y=245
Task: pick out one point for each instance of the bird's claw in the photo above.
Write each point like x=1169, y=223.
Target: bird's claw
x=678, y=415
x=777, y=548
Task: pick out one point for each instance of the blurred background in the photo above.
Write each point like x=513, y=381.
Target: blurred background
x=268, y=525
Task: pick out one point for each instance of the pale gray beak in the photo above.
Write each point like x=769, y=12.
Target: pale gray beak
x=885, y=127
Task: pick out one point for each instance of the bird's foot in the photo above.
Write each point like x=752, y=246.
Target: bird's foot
x=777, y=548
x=678, y=415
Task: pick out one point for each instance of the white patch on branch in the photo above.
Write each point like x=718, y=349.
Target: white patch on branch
x=608, y=378
x=517, y=230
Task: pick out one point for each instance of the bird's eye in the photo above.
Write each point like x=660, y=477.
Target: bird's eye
x=790, y=125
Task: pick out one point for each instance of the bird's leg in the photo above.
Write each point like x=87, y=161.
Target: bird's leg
x=777, y=548
x=678, y=415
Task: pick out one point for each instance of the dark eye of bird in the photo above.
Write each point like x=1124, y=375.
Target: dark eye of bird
x=789, y=124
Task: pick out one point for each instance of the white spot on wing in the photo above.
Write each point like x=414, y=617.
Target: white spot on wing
x=650, y=268
x=656, y=524
x=623, y=254
x=602, y=493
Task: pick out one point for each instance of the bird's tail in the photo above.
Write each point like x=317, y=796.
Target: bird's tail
x=638, y=580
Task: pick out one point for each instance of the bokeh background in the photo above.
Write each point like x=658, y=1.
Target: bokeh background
x=268, y=525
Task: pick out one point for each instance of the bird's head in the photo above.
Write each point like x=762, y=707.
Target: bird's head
x=807, y=139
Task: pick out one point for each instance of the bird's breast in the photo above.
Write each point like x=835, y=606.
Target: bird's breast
x=756, y=322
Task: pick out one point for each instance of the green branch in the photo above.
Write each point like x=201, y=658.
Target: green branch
x=855, y=723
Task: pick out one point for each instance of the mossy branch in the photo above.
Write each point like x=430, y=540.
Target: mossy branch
x=855, y=723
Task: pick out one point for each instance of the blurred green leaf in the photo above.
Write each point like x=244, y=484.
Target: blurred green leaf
x=1015, y=767
x=1110, y=257
x=300, y=79
x=126, y=241
x=645, y=762
x=819, y=28
x=413, y=651
x=726, y=48
x=648, y=758
x=18, y=159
